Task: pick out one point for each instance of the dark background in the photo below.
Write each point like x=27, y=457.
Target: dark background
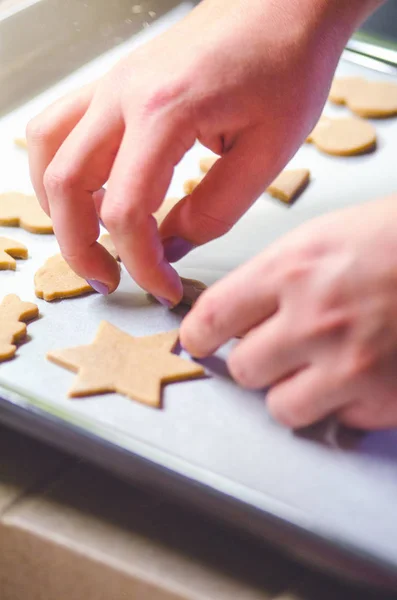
x=384, y=21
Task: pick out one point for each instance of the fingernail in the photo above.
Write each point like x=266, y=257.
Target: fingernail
x=176, y=248
x=101, y=222
x=164, y=302
x=99, y=287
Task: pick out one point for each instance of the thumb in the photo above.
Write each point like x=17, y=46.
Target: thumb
x=227, y=191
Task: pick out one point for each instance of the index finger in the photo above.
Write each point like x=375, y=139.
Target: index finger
x=138, y=183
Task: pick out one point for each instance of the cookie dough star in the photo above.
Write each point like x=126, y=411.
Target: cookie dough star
x=119, y=362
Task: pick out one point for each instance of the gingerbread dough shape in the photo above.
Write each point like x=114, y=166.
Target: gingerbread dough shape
x=119, y=362
x=344, y=136
x=56, y=280
x=9, y=251
x=369, y=99
x=19, y=210
x=12, y=312
x=289, y=184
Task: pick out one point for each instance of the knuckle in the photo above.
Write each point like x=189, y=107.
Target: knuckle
x=240, y=371
x=58, y=180
x=210, y=315
x=285, y=411
x=119, y=217
x=39, y=131
x=165, y=95
x=360, y=361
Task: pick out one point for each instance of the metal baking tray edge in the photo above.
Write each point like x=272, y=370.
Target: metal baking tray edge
x=45, y=40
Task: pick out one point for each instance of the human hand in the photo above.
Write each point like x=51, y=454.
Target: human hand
x=320, y=309
x=248, y=81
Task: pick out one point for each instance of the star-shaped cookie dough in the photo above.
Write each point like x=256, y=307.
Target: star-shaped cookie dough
x=9, y=251
x=119, y=362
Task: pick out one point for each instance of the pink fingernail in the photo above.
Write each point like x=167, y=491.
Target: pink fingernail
x=99, y=287
x=164, y=302
x=176, y=248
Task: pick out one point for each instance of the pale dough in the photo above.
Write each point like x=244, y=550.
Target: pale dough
x=56, y=280
x=289, y=184
x=9, y=251
x=118, y=362
x=344, y=136
x=370, y=99
x=20, y=210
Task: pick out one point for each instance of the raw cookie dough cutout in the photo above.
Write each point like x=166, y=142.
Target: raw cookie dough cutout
x=370, y=99
x=289, y=184
x=192, y=290
x=56, y=280
x=12, y=330
x=343, y=137
x=20, y=210
x=9, y=251
x=118, y=362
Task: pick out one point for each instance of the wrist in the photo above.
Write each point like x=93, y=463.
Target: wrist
x=336, y=20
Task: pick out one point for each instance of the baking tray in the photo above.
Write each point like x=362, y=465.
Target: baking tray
x=325, y=495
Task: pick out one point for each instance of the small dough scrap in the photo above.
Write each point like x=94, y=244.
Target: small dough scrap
x=9, y=251
x=344, y=136
x=106, y=241
x=12, y=330
x=369, y=99
x=166, y=207
x=56, y=280
x=289, y=184
x=190, y=185
x=118, y=362
x=192, y=290
x=207, y=163
x=20, y=210
x=21, y=143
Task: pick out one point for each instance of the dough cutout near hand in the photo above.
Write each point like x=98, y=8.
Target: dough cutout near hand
x=9, y=251
x=192, y=290
x=20, y=210
x=12, y=312
x=289, y=184
x=136, y=367
x=369, y=99
x=55, y=280
x=347, y=136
